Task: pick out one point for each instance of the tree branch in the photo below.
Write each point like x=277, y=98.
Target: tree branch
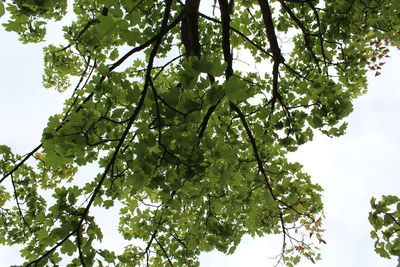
x=16, y=167
x=163, y=250
x=190, y=28
x=163, y=31
x=226, y=46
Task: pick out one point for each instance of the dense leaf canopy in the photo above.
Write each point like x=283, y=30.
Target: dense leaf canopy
x=189, y=109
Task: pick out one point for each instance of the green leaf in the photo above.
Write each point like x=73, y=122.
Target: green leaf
x=236, y=89
x=114, y=54
x=382, y=252
x=201, y=65
x=103, y=70
x=1, y=9
x=131, y=37
x=68, y=247
x=106, y=24
x=137, y=181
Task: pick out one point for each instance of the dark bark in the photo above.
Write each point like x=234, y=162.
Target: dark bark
x=190, y=28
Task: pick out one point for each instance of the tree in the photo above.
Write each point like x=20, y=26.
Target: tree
x=190, y=143
x=385, y=219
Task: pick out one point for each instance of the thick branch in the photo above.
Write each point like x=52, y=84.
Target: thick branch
x=190, y=28
x=270, y=29
x=226, y=46
x=273, y=42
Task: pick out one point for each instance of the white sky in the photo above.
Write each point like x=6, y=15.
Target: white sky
x=351, y=169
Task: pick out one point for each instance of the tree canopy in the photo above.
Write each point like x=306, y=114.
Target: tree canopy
x=189, y=108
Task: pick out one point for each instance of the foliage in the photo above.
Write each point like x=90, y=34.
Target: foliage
x=385, y=219
x=192, y=145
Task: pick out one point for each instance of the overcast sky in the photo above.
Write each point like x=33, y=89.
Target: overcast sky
x=351, y=169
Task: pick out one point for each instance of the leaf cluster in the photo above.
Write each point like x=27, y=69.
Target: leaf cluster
x=385, y=220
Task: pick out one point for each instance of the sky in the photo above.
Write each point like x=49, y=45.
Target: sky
x=351, y=169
